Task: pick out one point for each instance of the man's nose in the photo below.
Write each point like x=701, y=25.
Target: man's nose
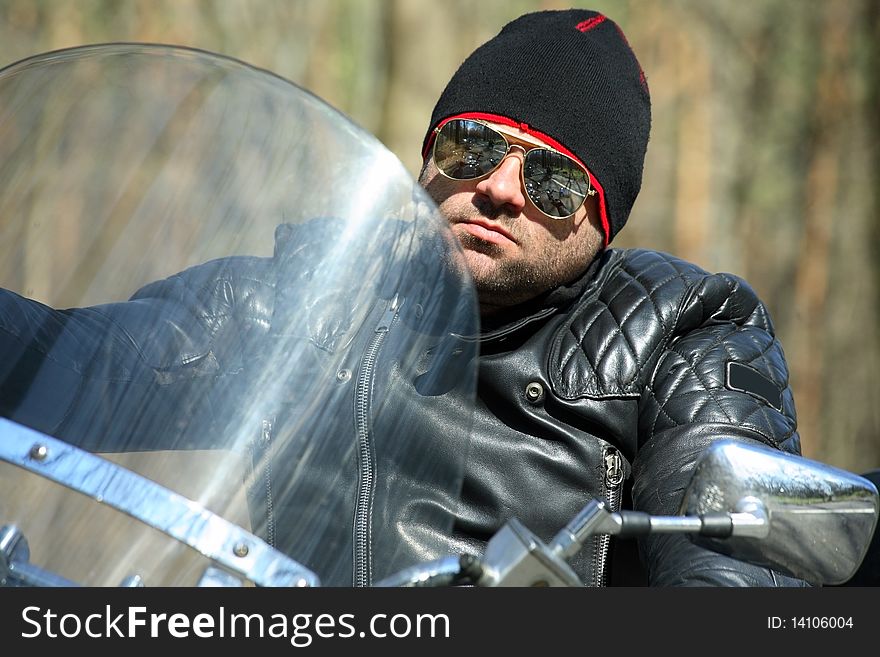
x=504, y=185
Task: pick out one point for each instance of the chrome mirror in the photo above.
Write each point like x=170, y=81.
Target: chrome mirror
x=819, y=519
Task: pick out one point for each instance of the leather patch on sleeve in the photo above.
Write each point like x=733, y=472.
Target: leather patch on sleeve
x=749, y=380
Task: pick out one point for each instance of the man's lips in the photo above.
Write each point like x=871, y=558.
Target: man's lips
x=486, y=230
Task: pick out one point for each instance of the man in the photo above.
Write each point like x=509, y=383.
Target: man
x=601, y=373
x=598, y=368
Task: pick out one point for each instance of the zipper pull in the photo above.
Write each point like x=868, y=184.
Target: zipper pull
x=389, y=314
x=613, y=468
x=266, y=432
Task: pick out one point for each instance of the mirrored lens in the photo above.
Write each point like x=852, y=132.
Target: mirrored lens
x=467, y=149
x=554, y=182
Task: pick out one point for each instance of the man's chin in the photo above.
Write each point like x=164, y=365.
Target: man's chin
x=489, y=264
x=476, y=245
x=481, y=265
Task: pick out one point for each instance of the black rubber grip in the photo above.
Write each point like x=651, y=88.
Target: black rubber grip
x=719, y=525
x=634, y=523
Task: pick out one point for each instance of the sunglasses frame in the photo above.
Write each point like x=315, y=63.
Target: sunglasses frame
x=526, y=146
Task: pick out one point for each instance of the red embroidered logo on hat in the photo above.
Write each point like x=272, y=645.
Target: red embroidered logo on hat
x=590, y=23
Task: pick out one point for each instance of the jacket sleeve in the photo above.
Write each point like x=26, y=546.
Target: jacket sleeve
x=722, y=375
x=133, y=375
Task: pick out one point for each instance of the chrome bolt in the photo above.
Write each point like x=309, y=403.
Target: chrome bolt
x=39, y=452
x=534, y=391
x=133, y=582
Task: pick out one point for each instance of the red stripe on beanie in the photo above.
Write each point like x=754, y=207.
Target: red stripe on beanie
x=589, y=24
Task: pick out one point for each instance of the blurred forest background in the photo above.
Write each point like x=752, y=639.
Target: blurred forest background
x=763, y=161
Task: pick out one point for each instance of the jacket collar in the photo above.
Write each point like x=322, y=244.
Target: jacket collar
x=545, y=305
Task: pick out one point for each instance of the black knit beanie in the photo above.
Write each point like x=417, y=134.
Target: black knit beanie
x=570, y=78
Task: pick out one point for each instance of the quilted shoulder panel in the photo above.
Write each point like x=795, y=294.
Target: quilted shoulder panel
x=622, y=324
x=690, y=385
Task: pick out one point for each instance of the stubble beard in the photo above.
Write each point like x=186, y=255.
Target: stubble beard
x=503, y=281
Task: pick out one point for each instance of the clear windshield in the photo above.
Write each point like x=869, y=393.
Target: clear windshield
x=220, y=282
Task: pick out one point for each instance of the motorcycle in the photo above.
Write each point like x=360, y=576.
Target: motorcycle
x=280, y=453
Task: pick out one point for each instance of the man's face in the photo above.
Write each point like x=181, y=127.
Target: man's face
x=513, y=251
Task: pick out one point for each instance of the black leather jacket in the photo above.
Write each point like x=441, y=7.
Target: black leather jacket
x=607, y=388
x=610, y=389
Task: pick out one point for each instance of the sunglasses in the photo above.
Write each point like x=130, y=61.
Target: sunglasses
x=466, y=149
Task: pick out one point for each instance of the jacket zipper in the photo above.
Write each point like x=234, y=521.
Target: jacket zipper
x=362, y=542
x=265, y=443
x=613, y=484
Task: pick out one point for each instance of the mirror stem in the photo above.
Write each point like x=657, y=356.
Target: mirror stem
x=750, y=519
